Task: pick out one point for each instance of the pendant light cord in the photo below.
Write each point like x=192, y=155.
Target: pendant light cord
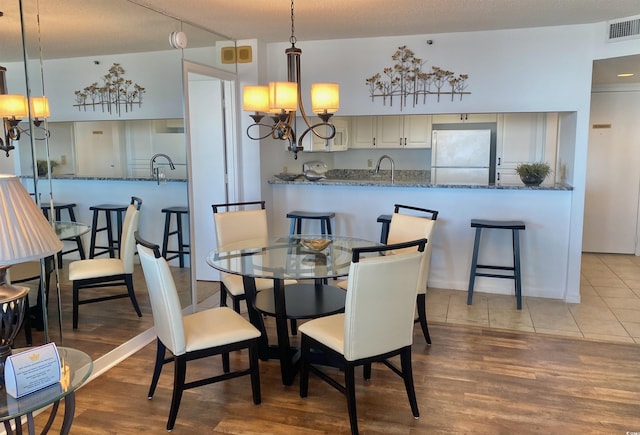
x=292, y=39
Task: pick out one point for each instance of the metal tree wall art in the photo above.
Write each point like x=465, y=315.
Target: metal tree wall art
x=114, y=96
x=407, y=82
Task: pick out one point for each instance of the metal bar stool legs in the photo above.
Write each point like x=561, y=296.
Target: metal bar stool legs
x=515, y=270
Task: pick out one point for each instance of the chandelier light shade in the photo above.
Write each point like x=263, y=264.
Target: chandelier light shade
x=25, y=235
x=13, y=106
x=40, y=107
x=256, y=99
x=281, y=101
x=325, y=97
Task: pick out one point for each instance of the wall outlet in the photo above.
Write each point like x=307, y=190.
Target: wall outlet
x=369, y=163
x=63, y=159
x=285, y=169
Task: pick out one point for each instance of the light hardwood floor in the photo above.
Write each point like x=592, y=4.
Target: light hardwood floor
x=482, y=375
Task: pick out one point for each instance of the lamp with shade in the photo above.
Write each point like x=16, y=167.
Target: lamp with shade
x=25, y=235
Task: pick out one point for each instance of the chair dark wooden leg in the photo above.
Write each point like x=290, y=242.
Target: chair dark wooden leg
x=223, y=295
x=132, y=295
x=226, y=367
x=422, y=316
x=350, y=392
x=304, y=366
x=407, y=375
x=180, y=371
x=294, y=326
x=76, y=302
x=366, y=371
x=255, y=372
x=474, y=265
x=157, y=369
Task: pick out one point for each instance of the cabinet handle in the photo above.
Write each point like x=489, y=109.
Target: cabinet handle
x=400, y=141
x=498, y=161
x=374, y=141
x=405, y=141
x=498, y=176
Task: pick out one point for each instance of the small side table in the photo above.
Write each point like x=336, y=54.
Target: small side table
x=76, y=368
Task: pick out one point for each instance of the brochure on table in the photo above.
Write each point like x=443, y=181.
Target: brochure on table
x=32, y=370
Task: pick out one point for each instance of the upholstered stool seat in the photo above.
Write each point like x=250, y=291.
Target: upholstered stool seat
x=57, y=212
x=113, y=236
x=298, y=216
x=515, y=227
x=182, y=248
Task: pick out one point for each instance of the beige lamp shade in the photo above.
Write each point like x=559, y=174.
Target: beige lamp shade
x=13, y=105
x=256, y=98
x=25, y=234
x=325, y=97
x=283, y=96
x=40, y=107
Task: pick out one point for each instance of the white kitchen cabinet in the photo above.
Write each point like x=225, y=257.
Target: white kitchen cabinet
x=524, y=138
x=456, y=118
x=340, y=142
x=393, y=131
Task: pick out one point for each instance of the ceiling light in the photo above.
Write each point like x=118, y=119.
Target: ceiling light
x=626, y=75
x=280, y=100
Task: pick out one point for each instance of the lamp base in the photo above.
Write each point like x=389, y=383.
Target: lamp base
x=12, y=310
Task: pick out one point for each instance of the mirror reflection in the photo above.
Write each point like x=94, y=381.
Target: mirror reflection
x=92, y=151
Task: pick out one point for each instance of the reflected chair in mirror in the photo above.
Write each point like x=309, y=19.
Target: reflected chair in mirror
x=377, y=323
x=214, y=331
x=109, y=272
x=24, y=273
x=241, y=221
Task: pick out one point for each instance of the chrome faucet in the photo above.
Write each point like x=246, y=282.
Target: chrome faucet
x=393, y=165
x=154, y=169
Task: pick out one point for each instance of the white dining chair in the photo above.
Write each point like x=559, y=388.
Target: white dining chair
x=377, y=323
x=214, y=331
x=108, y=272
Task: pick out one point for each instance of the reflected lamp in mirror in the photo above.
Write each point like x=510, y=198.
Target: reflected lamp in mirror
x=25, y=235
x=13, y=107
x=39, y=109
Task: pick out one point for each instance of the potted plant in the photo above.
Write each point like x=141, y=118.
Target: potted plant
x=532, y=174
x=42, y=167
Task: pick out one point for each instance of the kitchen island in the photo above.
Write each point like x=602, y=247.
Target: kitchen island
x=358, y=202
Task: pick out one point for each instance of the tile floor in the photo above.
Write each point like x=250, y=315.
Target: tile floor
x=609, y=308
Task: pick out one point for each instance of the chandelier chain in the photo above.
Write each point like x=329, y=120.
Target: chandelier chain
x=292, y=39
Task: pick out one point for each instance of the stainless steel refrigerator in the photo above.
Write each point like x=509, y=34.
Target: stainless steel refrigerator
x=461, y=156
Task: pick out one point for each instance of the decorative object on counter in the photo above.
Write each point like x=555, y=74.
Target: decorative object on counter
x=406, y=80
x=280, y=100
x=314, y=171
x=26, y=235
x=115, y=96
x=287, y=176
x=533, y=174
x=42, y=166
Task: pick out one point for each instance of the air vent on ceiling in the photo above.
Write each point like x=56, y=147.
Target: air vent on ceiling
x=626, y=28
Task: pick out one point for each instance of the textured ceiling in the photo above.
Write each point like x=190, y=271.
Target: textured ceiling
x=72, y=28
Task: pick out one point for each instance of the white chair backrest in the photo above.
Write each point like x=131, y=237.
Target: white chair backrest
x=235, y=226
x=380, y=303
x=128, y=241
x=165, y=304
x=404, y=228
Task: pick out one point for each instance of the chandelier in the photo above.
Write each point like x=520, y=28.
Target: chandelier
x=280, y=100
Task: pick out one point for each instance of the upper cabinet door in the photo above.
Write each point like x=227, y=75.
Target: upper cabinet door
x=363, y=128
x=417, y=131
x=389, y=131
x=455, y=118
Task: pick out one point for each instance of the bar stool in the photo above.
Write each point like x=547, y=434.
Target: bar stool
x=297, y=217
x=515, y=227
x=113, y=241
x=182, y=247
x=57, y=210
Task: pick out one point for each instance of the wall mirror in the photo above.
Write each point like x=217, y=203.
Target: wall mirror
x=69, y=45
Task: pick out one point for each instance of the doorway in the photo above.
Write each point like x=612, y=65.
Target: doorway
x=211, y=133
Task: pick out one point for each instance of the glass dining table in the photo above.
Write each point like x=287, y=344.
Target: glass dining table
x=312, y=260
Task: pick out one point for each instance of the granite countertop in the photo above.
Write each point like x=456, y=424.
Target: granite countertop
x=402, y=178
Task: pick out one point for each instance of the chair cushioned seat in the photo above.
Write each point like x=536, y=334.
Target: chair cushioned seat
x=95, y=268
x=328, y=330
x=216, y=327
